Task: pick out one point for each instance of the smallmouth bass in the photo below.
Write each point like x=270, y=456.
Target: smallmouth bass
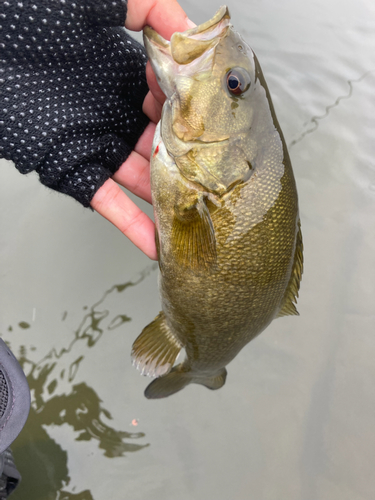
x=226, y=210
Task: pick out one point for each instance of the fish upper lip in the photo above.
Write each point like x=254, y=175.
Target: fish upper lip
x=221, y=14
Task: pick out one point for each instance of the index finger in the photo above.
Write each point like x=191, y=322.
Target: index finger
x=113, y=204
x=165, y=16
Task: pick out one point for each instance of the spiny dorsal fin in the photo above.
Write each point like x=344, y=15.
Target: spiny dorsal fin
x=194, y=238
x=156, y=348
x=290, y=298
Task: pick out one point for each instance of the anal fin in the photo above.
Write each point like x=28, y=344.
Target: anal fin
x=156, y=349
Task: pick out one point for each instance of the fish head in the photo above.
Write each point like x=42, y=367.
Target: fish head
x=208, y=75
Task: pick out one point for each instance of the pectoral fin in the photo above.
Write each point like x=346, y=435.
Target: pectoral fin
x=194, y=237
x=290, y=298
x=156, y=348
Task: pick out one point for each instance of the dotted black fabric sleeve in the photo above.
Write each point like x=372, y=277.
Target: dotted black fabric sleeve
x=72, y=84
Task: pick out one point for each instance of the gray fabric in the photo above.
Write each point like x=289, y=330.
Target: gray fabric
x=14, y=397
x=10, y=477
x=14, y=409
x=4, y=395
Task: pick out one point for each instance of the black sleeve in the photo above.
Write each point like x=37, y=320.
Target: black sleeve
x=72, y=84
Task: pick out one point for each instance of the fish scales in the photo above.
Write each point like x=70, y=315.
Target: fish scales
x=226, y=208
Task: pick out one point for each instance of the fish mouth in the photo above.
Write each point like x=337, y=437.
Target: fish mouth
x=187, y=52
x=204, y=32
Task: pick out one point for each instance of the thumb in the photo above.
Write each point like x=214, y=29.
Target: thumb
x=165, y=16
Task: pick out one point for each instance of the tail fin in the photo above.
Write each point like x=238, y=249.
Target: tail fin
x=178, y=378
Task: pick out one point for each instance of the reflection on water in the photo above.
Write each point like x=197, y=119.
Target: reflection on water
x=24, y=325
x=313, y=123
x=41, y=461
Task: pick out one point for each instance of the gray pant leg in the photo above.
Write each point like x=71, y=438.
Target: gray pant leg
x=14, y=410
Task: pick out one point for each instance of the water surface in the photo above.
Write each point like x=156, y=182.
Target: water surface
x=295, y=418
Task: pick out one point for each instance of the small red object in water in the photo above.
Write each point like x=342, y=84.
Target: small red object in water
x=156, y=151
x=134, y=422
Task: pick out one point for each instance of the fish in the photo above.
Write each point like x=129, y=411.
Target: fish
x=228, y=231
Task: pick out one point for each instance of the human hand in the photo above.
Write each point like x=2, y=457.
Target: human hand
x=166, y=17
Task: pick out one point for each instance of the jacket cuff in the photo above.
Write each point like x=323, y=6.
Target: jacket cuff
x=83, y=182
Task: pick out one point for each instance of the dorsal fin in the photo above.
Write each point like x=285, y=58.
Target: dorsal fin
x=290, y=297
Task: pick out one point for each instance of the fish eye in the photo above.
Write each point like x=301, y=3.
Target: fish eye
x=238, y=81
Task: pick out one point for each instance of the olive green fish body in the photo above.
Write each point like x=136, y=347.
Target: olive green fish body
x=226, y=209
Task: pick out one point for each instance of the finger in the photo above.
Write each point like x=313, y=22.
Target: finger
x=152, y=108
x=134, y=174
x=144, y=144
x=113, y=204
x=153, y=84
x=153, y=103
x=165, y=16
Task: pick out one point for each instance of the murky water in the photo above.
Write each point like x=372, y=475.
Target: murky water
x=295, y=418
